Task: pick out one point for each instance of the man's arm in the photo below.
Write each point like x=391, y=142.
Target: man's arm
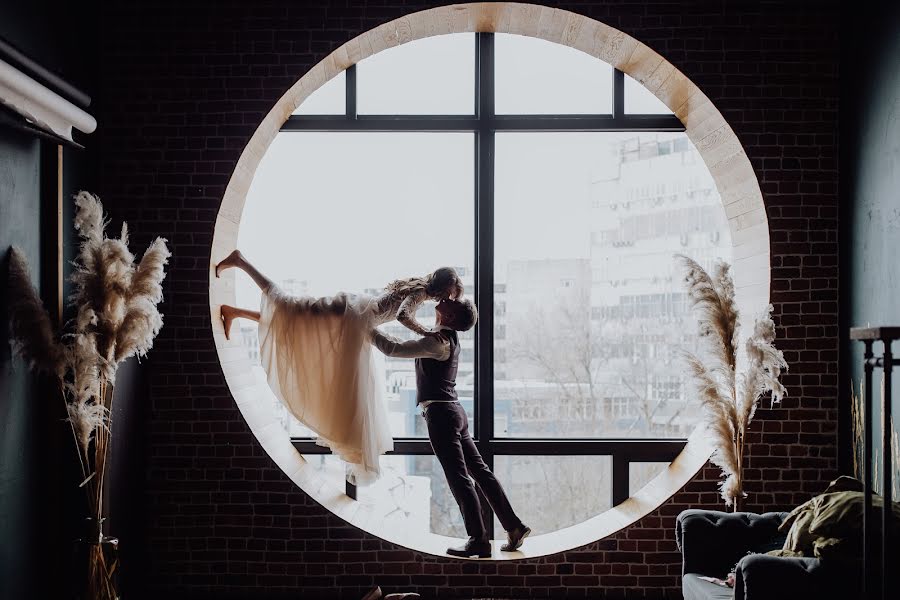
x=426, y=347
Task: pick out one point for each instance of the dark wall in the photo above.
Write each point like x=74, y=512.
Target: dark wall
x=870, y=217
x=19, y=225
x=37, y=503
x=186, y=84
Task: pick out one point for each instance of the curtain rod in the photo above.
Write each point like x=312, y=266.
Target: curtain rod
x=9, y=118
x=19, y=60
x=40, y=105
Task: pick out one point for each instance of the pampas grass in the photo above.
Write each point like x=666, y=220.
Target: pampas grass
x=729, y=390
x=857, y=412
x=116, y=317
x=30, y=327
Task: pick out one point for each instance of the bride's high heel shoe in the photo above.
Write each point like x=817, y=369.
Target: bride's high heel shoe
x=226, y=313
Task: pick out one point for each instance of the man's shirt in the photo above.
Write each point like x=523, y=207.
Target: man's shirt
x=424, y=347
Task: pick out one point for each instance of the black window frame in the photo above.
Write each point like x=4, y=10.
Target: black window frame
x=484, y=123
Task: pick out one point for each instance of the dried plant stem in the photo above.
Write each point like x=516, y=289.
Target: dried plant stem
x=100, y=573
x=856, y=410
x=101, y=446
x=107, y=433
x=81, y=461
x=739, y=473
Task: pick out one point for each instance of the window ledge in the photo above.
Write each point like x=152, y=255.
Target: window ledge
x=254, y=402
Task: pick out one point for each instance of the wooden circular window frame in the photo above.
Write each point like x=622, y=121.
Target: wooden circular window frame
x=714, y=139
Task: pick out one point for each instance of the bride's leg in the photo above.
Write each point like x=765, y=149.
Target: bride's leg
x=236, y=259
x=230, y=313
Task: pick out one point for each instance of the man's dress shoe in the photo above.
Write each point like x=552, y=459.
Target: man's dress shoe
x=515, y=537
x=473, y=547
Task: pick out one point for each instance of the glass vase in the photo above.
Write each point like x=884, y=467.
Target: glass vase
x=98, y=560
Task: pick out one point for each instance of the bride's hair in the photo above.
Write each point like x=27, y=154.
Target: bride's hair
x=445, y=278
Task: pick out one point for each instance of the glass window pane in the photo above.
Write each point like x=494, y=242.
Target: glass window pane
x=329, y=467
x=640, y=474
x=330, y=99
x=434, y=75
x=590, y=308
x=534, y=76
x=413, y=492
x=330, y=212
x=552, y=492
x=641, y=101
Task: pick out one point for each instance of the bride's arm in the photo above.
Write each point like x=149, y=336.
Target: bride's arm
x=406, y=315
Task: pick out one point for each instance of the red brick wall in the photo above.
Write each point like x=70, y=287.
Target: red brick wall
x=183, y=88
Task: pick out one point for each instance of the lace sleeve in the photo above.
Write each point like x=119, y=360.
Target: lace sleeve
x=406, y=314
x=388, y=304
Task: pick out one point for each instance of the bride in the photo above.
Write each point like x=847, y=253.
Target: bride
x=319, y=362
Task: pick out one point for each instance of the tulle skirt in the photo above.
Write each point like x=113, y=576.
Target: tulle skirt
x=319, y=362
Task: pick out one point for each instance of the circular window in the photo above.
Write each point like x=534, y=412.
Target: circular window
x=561, y=203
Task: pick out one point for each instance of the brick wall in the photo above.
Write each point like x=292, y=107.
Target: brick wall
x=183, y=87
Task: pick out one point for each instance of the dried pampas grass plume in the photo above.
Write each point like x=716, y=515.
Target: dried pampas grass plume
x=764, y=366
x=86, y=418
x=142, y=321
x=89, y=218
x=729, y=394
x=713, y=301
x=116, y=299
x=102, y=278
x=722, y=422
x=29, y=324
x=84, y=367
x=148, y=276
x=140, y=326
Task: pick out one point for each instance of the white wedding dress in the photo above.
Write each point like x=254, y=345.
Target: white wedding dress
x=319, y=362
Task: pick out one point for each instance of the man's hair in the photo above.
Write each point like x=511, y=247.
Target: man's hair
x=465, y=315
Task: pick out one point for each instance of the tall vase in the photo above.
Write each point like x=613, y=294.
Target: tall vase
x=99, y=556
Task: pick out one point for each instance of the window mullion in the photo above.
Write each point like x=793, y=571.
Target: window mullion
x=484, y=287
x=618, y=94
x=484, y=239
x=620, y=475
x=484, y=258
x=350, y=91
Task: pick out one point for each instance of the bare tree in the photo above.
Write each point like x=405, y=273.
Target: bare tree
x=592, y=366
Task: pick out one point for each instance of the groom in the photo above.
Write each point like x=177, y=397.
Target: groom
x=437, y=358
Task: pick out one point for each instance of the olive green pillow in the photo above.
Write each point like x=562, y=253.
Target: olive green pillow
x=800, y=540
x=830, y=526
x=840, y=515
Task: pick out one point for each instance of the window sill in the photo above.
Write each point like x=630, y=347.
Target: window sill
x=253, y=399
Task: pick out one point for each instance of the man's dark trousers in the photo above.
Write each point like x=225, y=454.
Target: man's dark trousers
x=448, y=430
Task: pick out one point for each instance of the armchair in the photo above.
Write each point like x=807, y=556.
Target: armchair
x=712, y=542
